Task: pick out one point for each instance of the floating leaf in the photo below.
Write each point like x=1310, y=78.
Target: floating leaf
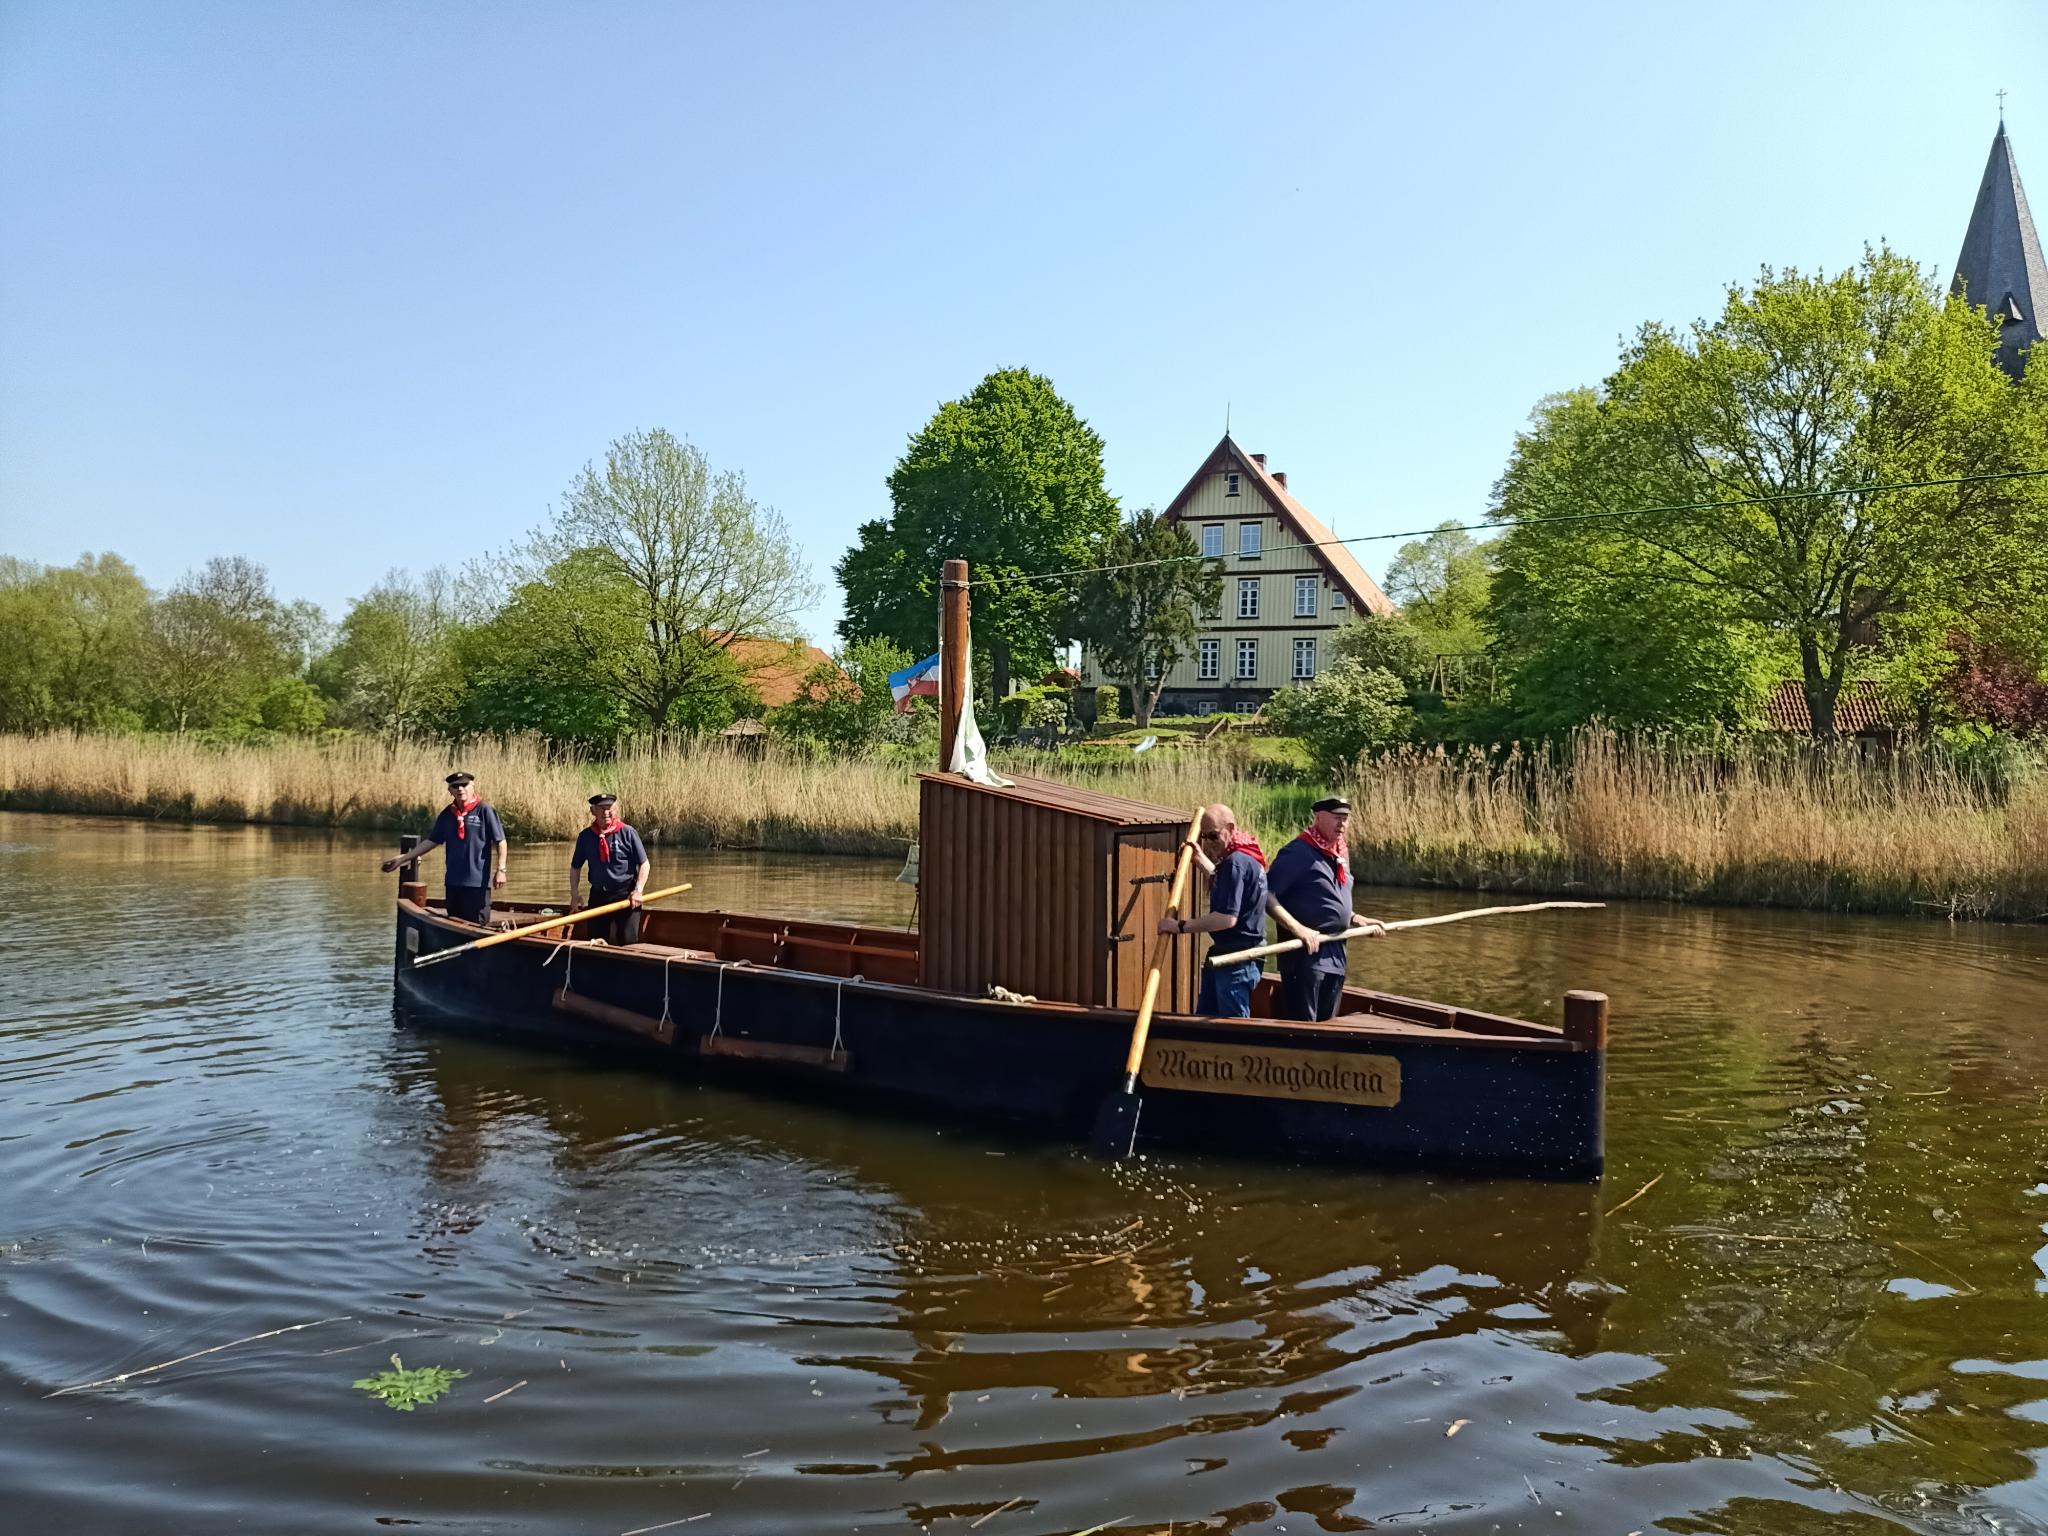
x=406, y=1390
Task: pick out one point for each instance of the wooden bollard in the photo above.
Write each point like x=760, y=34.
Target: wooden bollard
x=410, y=886
x=1585, y=1019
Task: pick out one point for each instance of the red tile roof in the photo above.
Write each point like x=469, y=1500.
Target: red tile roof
x=775, y=668
x=1341, y=565
x=1857, y=708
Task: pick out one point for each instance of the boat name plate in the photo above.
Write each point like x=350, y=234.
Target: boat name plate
x=1219, y=1066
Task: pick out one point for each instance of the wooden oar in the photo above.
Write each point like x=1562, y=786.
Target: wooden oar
x=554, y=922
x=1116, y=1122
x=1239, y=956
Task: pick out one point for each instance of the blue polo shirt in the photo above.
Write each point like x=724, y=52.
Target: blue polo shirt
x=1303, y=879
x=622, y=868
x=469, y=856
x=1238, y=887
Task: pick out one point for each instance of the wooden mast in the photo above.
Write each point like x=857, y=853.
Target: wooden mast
x=953, y=650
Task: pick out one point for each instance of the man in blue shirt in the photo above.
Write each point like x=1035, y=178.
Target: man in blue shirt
x=1238, y=904
x=1311, y=876
x=618, y=870
x=470, y=830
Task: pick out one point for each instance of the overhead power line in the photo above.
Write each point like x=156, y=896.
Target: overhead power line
x=1531, y=522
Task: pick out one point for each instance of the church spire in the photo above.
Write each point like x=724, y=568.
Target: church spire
x=2001, y=266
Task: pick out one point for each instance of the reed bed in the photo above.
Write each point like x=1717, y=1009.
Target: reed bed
x=1608, y=817
x=702, y=796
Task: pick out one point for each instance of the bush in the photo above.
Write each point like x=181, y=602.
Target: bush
x=845, y=707
x=1109, y=704
x=1390, y=642
x=1344, y=713
x=1027, y=707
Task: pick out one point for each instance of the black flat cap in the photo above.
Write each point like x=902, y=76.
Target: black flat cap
x=604, y=800
x=1331, y=803
x=460, y=778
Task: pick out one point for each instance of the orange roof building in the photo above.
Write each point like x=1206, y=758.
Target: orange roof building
x=775, y=669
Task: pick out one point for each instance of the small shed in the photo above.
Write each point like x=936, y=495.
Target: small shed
x=747, y=737
x=1050, y=890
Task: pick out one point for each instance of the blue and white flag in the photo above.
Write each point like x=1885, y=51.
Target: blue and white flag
x=923, y=678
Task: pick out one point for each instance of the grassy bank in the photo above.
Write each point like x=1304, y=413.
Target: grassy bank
x=1778, y=829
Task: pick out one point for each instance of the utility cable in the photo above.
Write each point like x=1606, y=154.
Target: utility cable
x=1529, y=522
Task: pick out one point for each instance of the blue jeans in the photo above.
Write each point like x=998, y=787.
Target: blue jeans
x=1227, y=991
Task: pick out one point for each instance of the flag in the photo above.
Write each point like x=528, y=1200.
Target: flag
x=923, y=678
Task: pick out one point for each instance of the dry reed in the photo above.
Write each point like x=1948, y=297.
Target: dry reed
x=1611, y=818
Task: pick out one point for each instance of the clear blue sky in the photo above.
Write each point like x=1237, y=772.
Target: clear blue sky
x=350, y=286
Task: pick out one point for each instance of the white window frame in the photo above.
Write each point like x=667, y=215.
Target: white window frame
x=1337, y=598
x=1212, y=541
x=1247, y=597
x=1249, y=536
x=1209, y=660
x=1305, y=596
x=1304, y=646
x=1230, y=483
x=1247, y=652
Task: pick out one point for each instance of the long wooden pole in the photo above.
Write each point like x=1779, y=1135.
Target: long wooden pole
x=1116, y=1124
x=1239, y=956
x=532, y=928
x=954, y=641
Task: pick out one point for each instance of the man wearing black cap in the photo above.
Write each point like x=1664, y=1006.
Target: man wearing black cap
x=618, y=870
x=1311, y=877
x=471, y=832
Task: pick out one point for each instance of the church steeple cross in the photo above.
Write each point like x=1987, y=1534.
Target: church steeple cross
x=2001, y=108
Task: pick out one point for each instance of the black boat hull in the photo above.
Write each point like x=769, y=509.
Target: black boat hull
x=1367, y=1088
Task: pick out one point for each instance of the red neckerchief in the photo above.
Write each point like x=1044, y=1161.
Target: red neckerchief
x=1242, y=841
x=462, y=809
x=1338, y=852
x=611, y=824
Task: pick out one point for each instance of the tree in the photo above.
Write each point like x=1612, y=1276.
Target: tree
x=1344, y=713
x=393, y=667
x=69, y=642
x=673, y=563
x=845, y=705
x=1137, y=612
x=1390, y=641
x=1009, y=479
x=1782, y=415
x=214, y=644
x=1441, y=585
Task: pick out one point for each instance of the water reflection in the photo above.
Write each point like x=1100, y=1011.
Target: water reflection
x=1807, y=1298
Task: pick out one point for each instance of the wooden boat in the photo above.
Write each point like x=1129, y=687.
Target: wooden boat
x=839, y=1009
x=1017, y=998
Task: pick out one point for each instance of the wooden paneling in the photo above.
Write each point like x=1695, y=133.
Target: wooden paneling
x=1046, y=890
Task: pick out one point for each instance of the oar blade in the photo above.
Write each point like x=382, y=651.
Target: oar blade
x=1116, y=1125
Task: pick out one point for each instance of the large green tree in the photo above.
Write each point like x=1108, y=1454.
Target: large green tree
x=668, y=564
x=549, y=660
x=1781, y=415
x=70, y=639
x=1441, y=583
x=393, y=667
x=215, y=645
x=1009, y=479
x=1590, y=623
x=1138, y=611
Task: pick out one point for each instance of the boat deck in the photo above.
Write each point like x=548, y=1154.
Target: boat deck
x=891, y=957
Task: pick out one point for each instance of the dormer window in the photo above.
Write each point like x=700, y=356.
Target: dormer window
x=1230, y=483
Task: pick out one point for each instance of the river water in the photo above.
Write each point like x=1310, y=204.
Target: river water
x=1811, y=1295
